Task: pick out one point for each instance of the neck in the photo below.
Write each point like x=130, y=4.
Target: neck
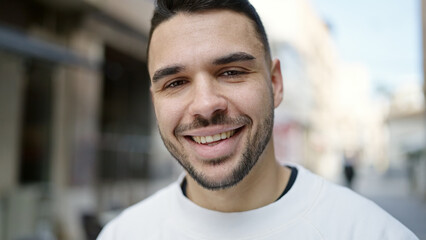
x=262, y=186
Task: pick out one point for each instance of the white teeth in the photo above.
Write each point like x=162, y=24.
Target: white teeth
x=214, y=138
x=223, y=135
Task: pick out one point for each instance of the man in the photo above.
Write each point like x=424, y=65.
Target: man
x=214, y=89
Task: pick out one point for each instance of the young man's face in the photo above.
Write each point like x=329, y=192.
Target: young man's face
x=212, y=94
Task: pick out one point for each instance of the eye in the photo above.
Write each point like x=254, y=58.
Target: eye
x=231, y=73
x=175, y=84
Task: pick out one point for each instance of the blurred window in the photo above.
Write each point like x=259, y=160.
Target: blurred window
x=36, y=122
x=126, y=117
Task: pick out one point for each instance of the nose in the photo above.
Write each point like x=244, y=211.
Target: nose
x=207, y=98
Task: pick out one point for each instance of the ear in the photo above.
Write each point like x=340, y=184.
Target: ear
x=277, y=82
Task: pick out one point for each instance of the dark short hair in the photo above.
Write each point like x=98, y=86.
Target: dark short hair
x=165, y=9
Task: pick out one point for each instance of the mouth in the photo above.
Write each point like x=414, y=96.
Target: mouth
x=214, y=139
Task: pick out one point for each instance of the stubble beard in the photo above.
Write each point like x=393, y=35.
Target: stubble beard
x=254, y=147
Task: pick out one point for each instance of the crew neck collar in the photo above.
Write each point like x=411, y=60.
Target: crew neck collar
x=197, y=220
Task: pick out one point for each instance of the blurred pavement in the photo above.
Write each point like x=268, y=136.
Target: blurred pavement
x=392, y=192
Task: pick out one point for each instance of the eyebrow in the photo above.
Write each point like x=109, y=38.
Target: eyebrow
x=230, y=58
x=233, y=57
x=166, y=71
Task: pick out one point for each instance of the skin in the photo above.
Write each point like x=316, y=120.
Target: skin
x=202, y=67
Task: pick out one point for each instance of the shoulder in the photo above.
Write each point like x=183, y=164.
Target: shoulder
x=352, y=213
x=142, y=218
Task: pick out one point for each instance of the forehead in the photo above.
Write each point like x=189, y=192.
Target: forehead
x=202, y=36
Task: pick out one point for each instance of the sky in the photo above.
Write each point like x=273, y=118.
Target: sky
x=384, y=35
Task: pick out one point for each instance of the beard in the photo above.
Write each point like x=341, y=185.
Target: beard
x=253, y=148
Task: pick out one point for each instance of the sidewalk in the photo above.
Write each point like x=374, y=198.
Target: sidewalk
x=392, y=193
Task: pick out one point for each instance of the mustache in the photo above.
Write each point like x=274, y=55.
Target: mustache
x=217, y=119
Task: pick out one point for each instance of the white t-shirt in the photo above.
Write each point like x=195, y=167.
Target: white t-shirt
x=313, y=209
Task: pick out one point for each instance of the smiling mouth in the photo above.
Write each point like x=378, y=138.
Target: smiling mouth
x=214, y=138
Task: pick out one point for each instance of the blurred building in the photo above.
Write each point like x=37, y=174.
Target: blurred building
x=423, y=6
x=77, y=132
x=302, y=41
x=407, y=135
x=327, y=108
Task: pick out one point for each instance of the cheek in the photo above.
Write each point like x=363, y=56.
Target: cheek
x=168, y=113
x=253, y=100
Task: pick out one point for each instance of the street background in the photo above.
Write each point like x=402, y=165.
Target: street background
x=392, y=192
x=78, y=135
